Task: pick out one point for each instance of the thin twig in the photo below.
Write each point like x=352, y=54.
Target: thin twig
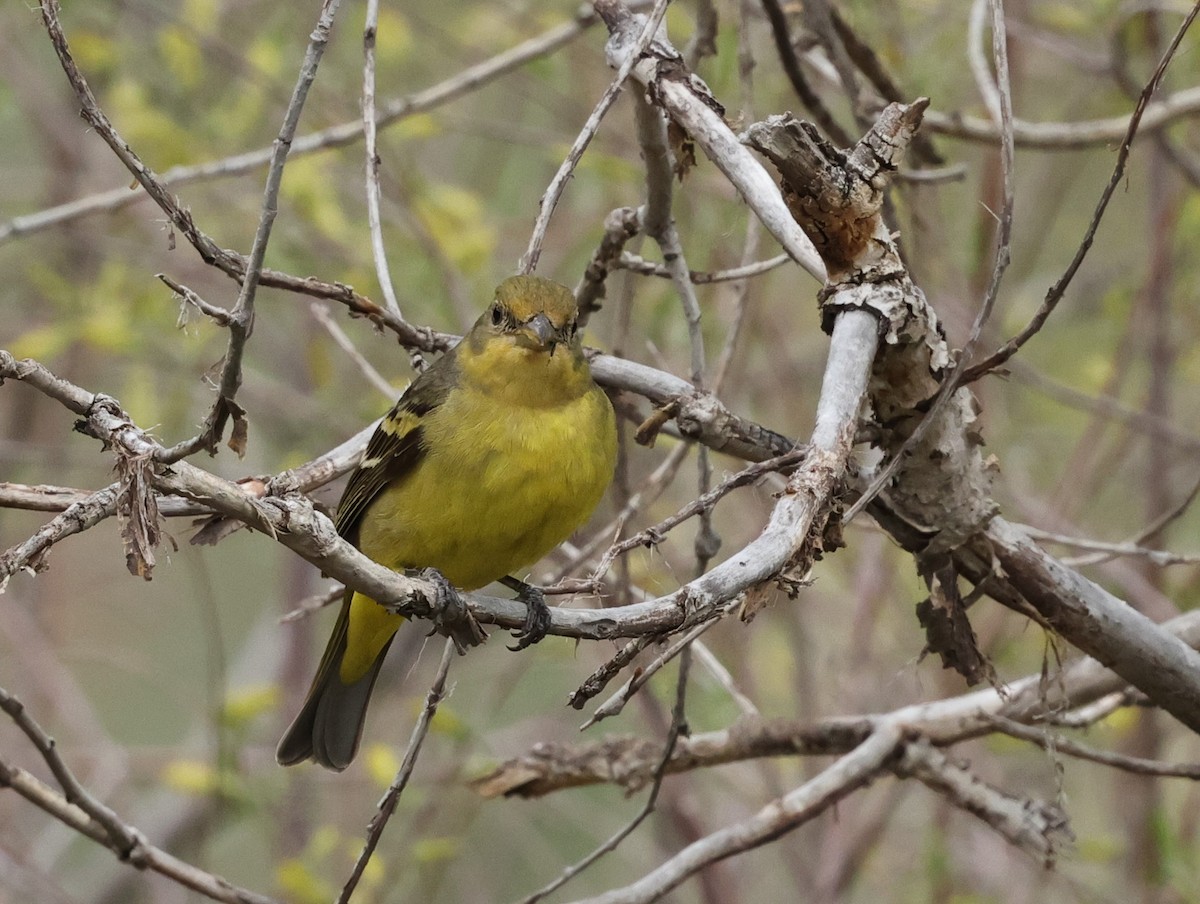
x=241, y=317
x=651, y=536
x=647, y=492
x=387, y=806
x=1137, y=765
x=741, y=295
x=553, y=193
x=374, y=377
x=383, y=272
x=1104, y=551
x=1056, y=292
x=213, y=312
x=78, y=809
x=1068, y=136
x=637, y=264
x=1150, y=530
x=615, y=703
x=678, y=728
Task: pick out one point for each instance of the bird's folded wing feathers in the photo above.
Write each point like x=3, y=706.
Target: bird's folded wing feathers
x=395, y=448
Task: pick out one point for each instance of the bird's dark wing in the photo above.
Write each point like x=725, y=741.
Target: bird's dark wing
x=396, y=447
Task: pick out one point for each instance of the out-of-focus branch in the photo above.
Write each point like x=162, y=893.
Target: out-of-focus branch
x=459, y=85
x=1066, y=136
x=856, y=769
x=80, y=811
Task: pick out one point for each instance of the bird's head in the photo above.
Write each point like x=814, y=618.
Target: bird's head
x=532, y=313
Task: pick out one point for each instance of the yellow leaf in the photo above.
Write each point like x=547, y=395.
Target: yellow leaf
x=431, y=850
x=201, y=15
x=301, y=885
x=324, y=841
x=146, y=127
x=447, y=723
x=455, y=219
x=382, y=763
x=95, y=52
x=181, y=54
x=244, y=705
x=419, y=125
x=307, y=185
x=42, y=342
x=266, y=55
x=190, y=777
x=393, y=38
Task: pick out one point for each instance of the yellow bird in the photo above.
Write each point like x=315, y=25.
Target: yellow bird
x=489, y=459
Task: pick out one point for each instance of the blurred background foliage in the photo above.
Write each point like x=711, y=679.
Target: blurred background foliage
x=168, y=696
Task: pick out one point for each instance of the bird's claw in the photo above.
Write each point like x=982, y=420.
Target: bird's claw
x=452, y=617
x=537, y=618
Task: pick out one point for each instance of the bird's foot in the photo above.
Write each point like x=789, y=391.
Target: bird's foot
x=537, y=613
x=452, y=618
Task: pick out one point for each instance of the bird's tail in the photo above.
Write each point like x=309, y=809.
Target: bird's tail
x=329, y=725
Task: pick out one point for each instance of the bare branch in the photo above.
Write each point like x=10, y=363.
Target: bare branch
x=851, y=772
x=387, y=806
x=553, y=193
x=1056, y=292
x=637, y=264
x=1034, y=826
x=80, y=811
x=1068, y=135
x=1042, y=737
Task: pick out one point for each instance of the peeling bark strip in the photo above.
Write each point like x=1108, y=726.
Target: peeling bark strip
x=137, y=512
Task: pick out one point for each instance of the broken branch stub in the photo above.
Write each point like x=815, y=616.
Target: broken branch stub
x=836, y=196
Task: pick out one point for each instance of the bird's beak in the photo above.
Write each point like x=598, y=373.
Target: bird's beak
x=540, y=331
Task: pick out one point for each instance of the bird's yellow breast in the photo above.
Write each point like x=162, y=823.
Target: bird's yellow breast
x=516, y=458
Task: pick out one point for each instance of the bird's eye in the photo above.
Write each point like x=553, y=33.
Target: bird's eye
x=497, y=315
